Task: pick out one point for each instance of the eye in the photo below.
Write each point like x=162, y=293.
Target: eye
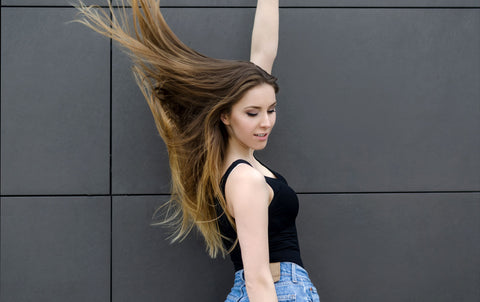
x=272, y=110
x=251, y=114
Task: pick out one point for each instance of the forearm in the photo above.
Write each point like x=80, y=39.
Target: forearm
x=265, y=33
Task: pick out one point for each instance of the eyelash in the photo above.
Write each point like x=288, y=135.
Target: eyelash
x=255, y=114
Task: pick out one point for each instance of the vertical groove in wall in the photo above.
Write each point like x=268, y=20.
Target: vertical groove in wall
x=110, y=176
x=1, y=59
x=111, y=248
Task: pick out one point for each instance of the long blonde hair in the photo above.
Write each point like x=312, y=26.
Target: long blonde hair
x=186, y=92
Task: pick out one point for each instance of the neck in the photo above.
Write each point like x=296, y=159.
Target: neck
x=237, y=151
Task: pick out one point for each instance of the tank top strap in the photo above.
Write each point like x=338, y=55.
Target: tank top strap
x=229, y=170
x=277, y=175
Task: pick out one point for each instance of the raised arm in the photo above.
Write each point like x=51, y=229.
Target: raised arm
x=265, y=34
x=248, y=197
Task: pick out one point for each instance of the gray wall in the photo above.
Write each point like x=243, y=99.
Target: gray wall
x=379, y=104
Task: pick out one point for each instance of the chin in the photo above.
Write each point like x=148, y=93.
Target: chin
x=260, y=147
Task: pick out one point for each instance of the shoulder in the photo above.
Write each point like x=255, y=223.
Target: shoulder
x=246, y=188
x=244, y=175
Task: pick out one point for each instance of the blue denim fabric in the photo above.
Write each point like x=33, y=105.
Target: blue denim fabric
x=294, y=285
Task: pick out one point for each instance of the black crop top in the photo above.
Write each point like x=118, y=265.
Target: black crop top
x=282, y=232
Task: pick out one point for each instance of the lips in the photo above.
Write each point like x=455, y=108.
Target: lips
x=261, y=136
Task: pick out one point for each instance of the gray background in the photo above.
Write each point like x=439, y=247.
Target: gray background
x=377, y=130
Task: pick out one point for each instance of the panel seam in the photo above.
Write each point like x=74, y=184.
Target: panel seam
x=252, y=6
x=297, y=192
x=110, y=168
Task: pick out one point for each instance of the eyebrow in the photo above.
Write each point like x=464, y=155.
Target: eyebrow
x=258, y=107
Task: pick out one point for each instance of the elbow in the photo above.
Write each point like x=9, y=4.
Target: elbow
x=264, y=59
x=258, y=282
x=267, y=55
x=270, y=52
x=273, y=55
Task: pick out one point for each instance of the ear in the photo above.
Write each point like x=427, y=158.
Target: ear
x=225, y=118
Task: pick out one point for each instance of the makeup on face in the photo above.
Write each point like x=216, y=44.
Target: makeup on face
x=252, y=118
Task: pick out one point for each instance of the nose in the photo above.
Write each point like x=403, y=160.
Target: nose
x=266, y=121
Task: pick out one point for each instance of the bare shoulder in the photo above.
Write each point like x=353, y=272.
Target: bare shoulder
x=245, y=175
x=246, y=187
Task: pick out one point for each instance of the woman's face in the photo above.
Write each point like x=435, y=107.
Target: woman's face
x=251, y=119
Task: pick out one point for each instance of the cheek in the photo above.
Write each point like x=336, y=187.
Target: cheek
x=242, y=124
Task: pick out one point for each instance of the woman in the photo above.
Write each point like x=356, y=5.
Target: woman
x=213, y=114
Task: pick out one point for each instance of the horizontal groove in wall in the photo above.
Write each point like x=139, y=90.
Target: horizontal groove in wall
x=299, y=193
x=388, y=192
x=288, y=7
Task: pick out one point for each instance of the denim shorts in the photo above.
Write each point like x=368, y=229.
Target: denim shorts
x=294, y=285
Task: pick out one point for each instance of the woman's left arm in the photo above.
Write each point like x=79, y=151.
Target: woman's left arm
x=265, y=34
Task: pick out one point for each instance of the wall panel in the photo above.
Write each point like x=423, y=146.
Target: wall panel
x=55, y=249
x=378, y=100
x=392, y=247
x=147, y=268
x=139, y=156
x=54, y=104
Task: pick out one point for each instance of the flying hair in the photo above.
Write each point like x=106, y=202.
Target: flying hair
x=186, y=92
